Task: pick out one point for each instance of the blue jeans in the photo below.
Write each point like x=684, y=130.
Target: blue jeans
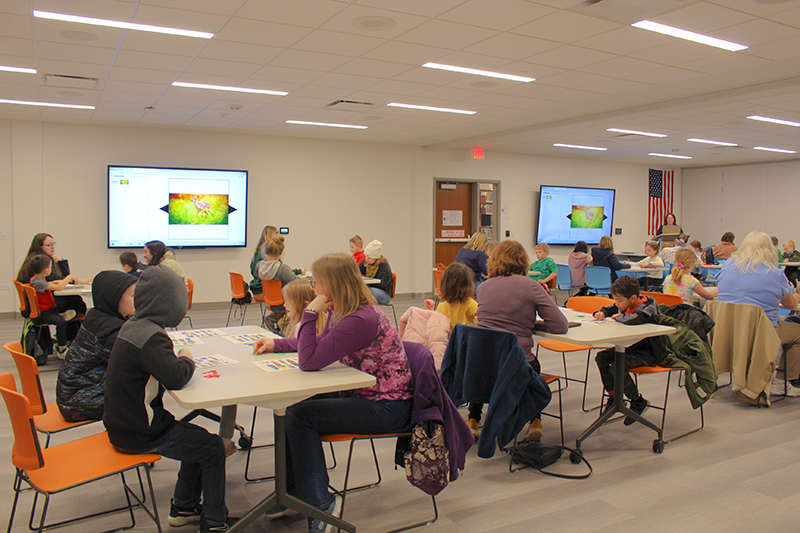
x=380, y=295
x=202, y=457
x=307, y=478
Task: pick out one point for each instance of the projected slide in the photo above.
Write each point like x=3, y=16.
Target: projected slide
x=570, y=214
x=195, y=209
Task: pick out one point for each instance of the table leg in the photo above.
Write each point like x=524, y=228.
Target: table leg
x=279, y=496
x=619, y=402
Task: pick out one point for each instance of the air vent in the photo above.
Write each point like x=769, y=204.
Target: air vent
x=72, y=82
x=629, y=11
x=350, y=105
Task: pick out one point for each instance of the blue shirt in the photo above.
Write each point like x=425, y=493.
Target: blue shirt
x=764, y=287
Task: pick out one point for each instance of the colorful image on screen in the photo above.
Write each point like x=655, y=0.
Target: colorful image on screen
x=194, y=209
x=586, y=217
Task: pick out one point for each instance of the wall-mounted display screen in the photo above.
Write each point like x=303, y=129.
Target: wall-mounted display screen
x=183, y=207
x=571, y=214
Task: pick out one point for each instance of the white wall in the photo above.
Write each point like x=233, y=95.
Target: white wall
x=741, y=199
x=325, y=191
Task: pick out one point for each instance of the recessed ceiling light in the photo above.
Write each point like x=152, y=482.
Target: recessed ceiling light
x=706, y=141
x=225, y=88
x=688, y=35
x=18, y=69
x=46, y=104
x=579, y=147
x=326, y=124
x=370, y=23
x=121, y=25
x=779, y=150
x=634, y=132
x=76, y=35
x=774, y=120
x=429, y=108
x=670, y=155
x=477, y=72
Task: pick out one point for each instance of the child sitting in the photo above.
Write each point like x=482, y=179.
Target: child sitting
x=296, y=296
x=629, y=308
x=790, y=255
x=652, y=260
x=356, y=248
x=457, y=302
x=141, y=367
x=130, y=264
x=81, y=380
x=775, y=242
x=376, y=266
x=682, y=283
x=544, y=269
x=603, y=255
x=39, y=265
x=273, y=268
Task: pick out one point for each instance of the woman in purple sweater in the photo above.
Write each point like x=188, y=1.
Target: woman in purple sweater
x=511, y=301
x=359, y=335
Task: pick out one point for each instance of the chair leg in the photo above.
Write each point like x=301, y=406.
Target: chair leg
x=250, y=450
x=586, y=385
x=17, y=489
x=228, y=323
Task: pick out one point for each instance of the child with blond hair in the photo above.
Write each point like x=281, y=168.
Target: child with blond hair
x=544, y=269
x=682, y=283
x=296, y=296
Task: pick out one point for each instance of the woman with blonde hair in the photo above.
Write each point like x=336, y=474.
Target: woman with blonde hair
x=358, y=334
x=603, y=256
x=258, y=255
x=473, y=254
x=752, y=276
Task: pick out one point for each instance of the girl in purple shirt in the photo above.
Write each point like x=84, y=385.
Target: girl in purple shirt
x=359, y=335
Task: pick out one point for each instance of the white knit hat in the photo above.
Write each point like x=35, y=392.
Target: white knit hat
x=374, y=249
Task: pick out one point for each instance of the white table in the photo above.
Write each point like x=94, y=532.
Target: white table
x=790, y=264
x=244, y=383
x=590, y=332
x=643, y=270
x=84, y=291
x=371, y=281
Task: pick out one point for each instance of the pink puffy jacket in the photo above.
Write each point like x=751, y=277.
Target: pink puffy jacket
x=426, y=327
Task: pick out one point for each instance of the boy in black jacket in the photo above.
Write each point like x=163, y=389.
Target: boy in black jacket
x=141, y=367
x=632, y=309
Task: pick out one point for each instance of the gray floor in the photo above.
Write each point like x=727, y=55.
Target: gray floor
x=739, y=473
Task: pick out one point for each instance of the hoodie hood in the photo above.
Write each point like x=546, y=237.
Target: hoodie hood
x=268, y=268
x=107, y=290
x=161, y=301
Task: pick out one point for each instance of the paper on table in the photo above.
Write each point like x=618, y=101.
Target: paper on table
x=245, y=338
x=273, y=365
x=182, y=342
x=205, y=361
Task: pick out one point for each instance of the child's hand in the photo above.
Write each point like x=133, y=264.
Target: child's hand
x=617, y=316
x=266, y=344
x=599, y=315
x=71, y=279
x=429, y=304
x=320, y=304
x=186, y=353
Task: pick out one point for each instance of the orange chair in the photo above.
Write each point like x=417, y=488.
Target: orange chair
x=437, y=280
x=273, y=297
x=237, y=293
x=46, y=415
x=582, y=304
x=54, y=470
x=23, y=304
x=664, y=299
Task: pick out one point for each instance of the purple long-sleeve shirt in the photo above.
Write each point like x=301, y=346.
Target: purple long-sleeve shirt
x=365, y=340
x=512, y=303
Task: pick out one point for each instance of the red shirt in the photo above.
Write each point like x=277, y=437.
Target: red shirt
x=359, y=257
x=45, y=298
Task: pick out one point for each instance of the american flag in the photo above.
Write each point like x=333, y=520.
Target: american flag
x=660, y=198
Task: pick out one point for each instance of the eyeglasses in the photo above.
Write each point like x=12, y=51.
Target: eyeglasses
x=49, y=245
x=313, y=283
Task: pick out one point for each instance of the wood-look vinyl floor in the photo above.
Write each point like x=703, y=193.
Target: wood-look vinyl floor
x=740, y=473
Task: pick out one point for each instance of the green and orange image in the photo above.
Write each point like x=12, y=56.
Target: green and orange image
x=586, y=217
x=197, y=209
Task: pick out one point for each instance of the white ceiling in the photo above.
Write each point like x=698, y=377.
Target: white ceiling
x=593, y=71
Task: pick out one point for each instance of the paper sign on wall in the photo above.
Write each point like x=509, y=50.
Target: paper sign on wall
x=452, y=218
x=452, y=233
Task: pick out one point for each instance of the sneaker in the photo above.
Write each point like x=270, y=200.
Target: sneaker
x=205, y=527
x=179, y=516
x=61, y=352
x=231, y=449
x=780, y=387
x=638, y=406
x=475, y=427
x=535, y=430
x=318, y=526
x=68, y=315
x=277, y=511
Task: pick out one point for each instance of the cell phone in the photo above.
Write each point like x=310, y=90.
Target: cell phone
x=284, y=231
x=574, y=324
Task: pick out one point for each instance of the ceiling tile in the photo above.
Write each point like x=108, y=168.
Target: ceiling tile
x=305, y=13
x=566, y=27
x=625, y=40
x=219, y=7
x=346, y=81
x=400, y=88
x=757, y=32
x=343, y=43
x=343, y=22
x=724, y=63
x=784, y=49
x=445, y=34
x=665, y=76
x=74, y=53
x=232, y=51
x=574, y=80
x=133, y=98
x=495, y=15
x=219, y=67
x=309, y=60
x=242, y=30
x=116, y=10
x=184, y=19
x=569, y=57
x=704, y=17
x=408, y=53
x=16, y=26
x=132, y=58
x=678, y=52
x=371, y=67
x=512, y=46
x=621, y=67
x=145, y=75
x=154, y=42
x=615, y=87
x=272, y=73
x=426, y=8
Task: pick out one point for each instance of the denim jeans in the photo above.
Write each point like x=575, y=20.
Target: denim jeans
x=307, y=477
x=202, y=457
x=380, y=295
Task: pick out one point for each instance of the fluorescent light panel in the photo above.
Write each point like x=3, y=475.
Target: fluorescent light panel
x=779, y=150
x=46, y=104
x=326, y=124
x=774, y=120
x=706, y=141
x=225, y=88
x=673, y=156
x=18, y=69
x=121, y=25
x=579, y=147
x=476, y=72
x=634, y=132
x=688, y=35
x=429, y=108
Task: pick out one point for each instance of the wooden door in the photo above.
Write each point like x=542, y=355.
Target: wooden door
x=453, y=219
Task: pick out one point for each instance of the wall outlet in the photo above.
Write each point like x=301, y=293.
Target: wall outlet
x=5, y=287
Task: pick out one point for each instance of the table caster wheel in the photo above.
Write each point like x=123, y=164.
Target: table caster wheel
x=245, y=442
x=575, y=457
x=658, y=446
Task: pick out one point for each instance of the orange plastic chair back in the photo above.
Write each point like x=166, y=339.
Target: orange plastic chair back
x=237, y=285
x=23, y=305
x=27, y=454
x=394, y=283
x=271, y=288
x=28, y=372
x=552, y=283
x=588, y=304
x=33, y=302
x=664, y=299
x=190, y=285
x=437, y=279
